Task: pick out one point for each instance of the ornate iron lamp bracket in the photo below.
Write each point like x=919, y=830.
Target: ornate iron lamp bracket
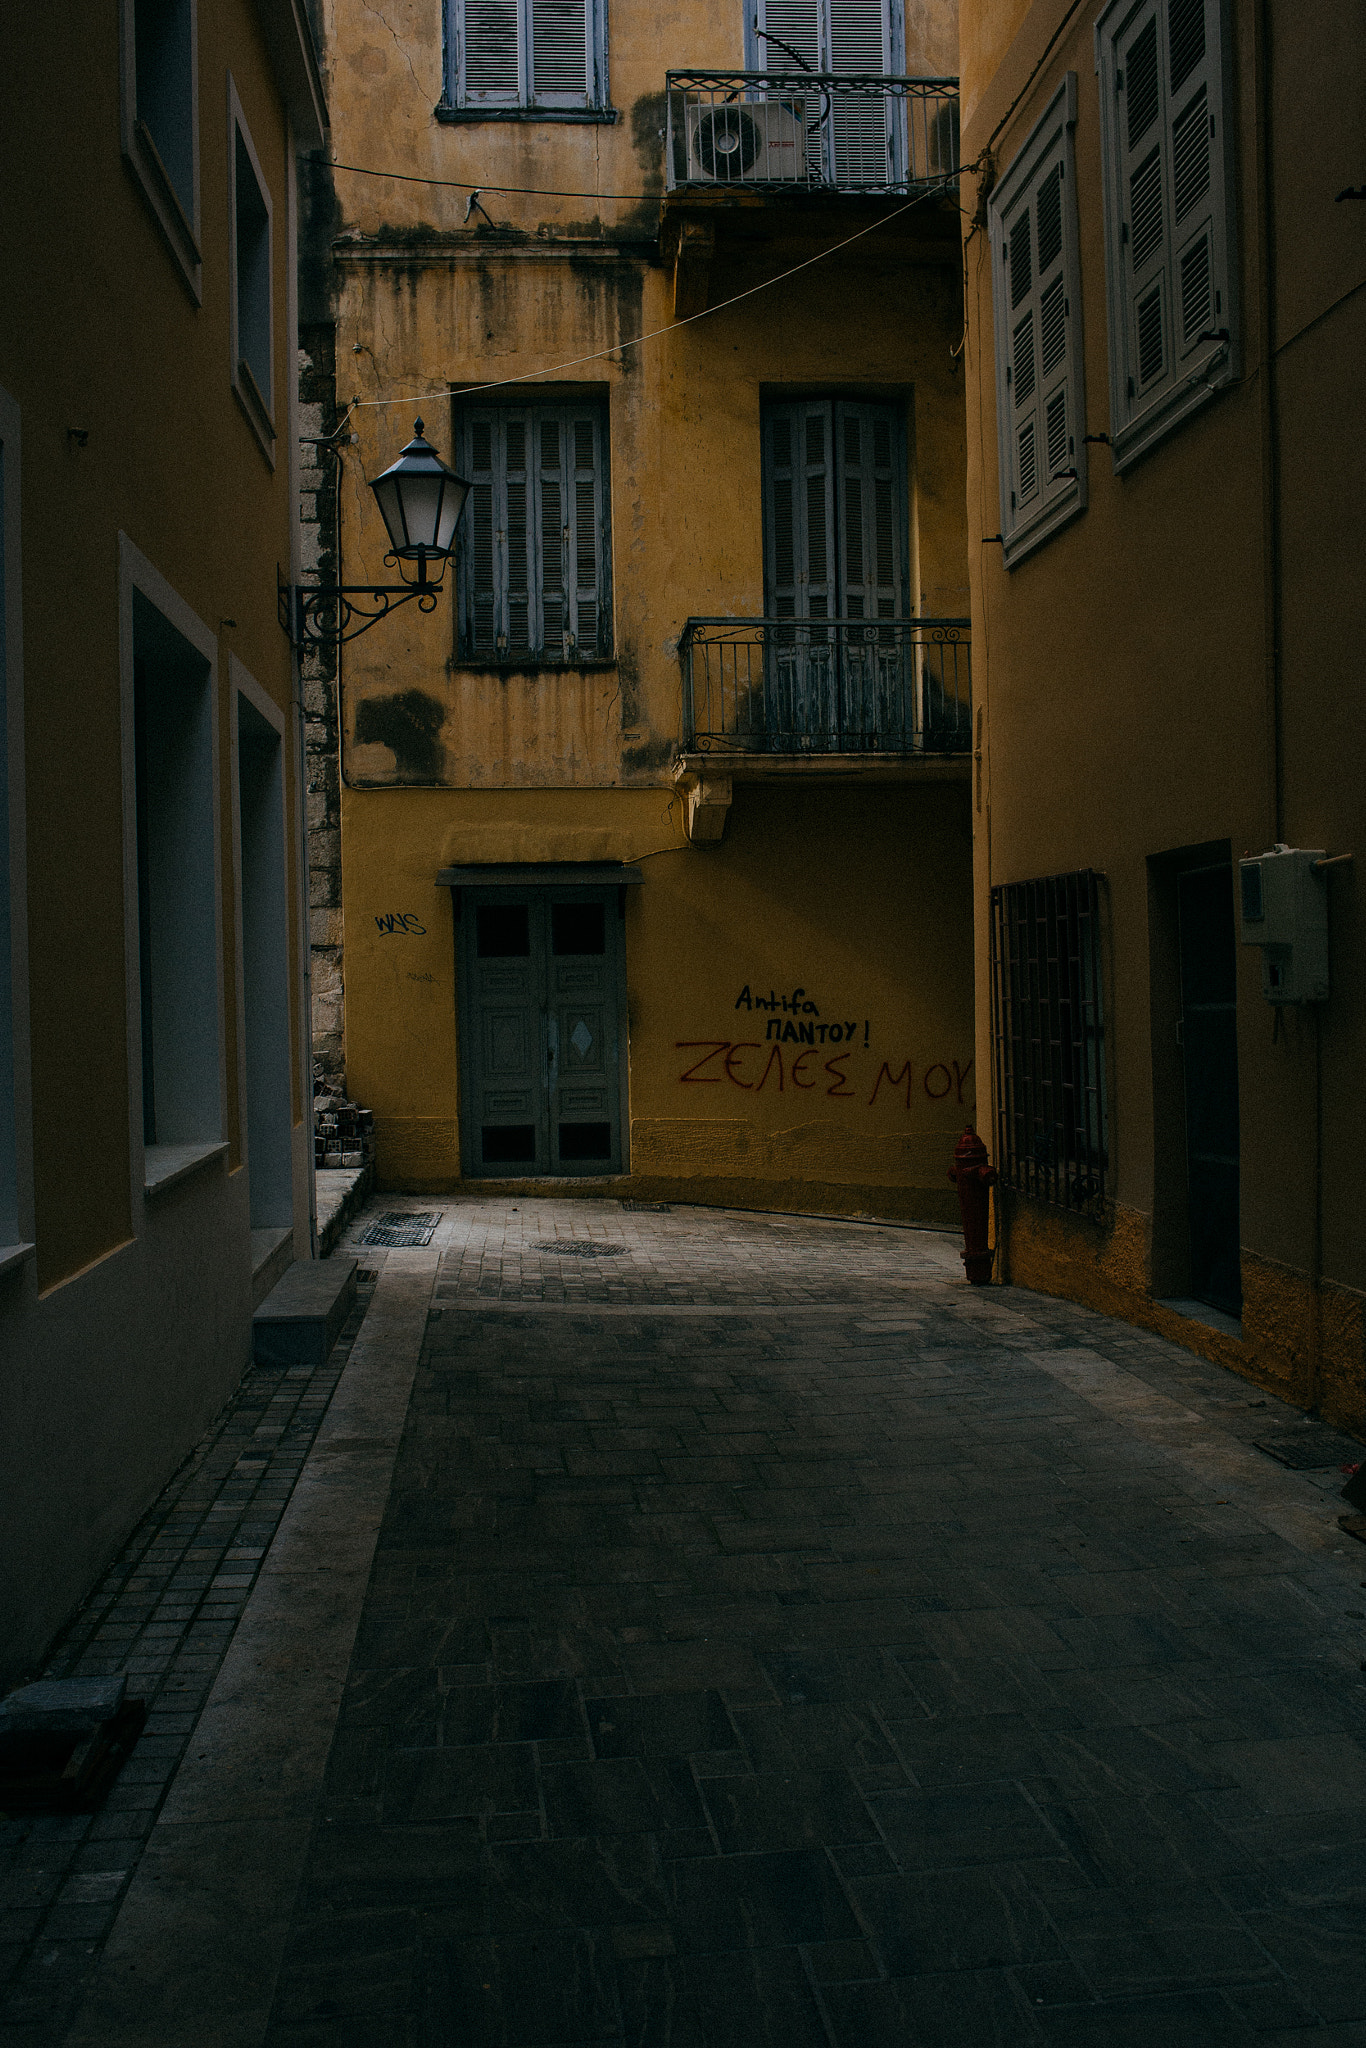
x=327, y=614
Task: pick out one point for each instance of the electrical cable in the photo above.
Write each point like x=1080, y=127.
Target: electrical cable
x=575, y=362
x=478, y=184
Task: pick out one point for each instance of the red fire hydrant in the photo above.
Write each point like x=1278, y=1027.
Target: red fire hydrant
x=972, y=1176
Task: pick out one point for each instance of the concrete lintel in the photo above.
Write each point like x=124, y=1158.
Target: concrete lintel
x=743, y=766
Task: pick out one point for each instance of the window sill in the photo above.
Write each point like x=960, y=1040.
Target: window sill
x=15, y=1256
x=602, y=117
x=248, y=395
x=1032, y=533
x=165, y=1166
x=532, y=666
x=144, y=161
x=1148, y=429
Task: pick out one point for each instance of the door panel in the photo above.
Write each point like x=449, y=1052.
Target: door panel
x=542, y=999
x=1209, y=1045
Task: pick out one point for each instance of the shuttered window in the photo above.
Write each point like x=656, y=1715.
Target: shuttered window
x=851, y=141
x=534, y=576
x=834, y=510
x=1168, y=189
x=1036, y=304
x=509, y=54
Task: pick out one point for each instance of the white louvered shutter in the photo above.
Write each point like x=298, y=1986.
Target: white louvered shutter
x=1036, y=304
x=860, y=42
x=561, y=62
x=1167, y=205
x=490, y=56
x=799, y=25
x=1195, y=114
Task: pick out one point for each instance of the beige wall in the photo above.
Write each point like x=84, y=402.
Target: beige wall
x=1135, y=705
x=123, y=1333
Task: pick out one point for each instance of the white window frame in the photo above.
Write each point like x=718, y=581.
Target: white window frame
x=154, y=1168
x=16, y=1108
x=1195, y=369
x=1026, y=524
x=458, y=104
x=179, y=226
x=257, y=405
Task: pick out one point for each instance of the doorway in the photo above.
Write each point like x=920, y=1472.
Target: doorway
x=542, y=1031
x=1208, y=1038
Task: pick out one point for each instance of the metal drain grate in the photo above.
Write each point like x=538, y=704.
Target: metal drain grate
x=399, y=1227
x=649, y=1208
x=581, y=1248
x=1310, y=1450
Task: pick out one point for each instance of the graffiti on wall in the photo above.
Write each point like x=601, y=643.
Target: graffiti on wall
x=797, y=1052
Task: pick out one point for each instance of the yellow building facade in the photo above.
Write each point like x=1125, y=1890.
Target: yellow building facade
x=155, y=1142
x=655, y=833
x=1165, y=258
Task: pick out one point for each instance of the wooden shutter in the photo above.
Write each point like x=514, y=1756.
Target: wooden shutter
x=1195, y=116
x=870, y=445
x=490, y=58
x=560, y=61
x=1167, y=202
x=480, y=581
x=587, y=532
x=801, y=571
x=1037, y=365
x=860, y=41
x=1036, y=301
x=519, y=532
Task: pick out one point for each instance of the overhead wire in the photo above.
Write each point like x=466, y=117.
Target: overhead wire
x=653, y=334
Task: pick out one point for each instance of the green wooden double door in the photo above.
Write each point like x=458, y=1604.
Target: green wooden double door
x=542, y=1032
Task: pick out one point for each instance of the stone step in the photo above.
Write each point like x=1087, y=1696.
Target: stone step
x=301, y=1318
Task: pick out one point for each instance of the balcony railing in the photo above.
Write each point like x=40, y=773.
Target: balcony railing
x=810, y=131
x=827, y=686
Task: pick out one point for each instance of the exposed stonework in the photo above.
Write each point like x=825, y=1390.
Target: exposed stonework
x=318, y=519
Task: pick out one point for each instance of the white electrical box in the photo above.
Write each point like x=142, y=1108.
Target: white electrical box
x=1285, y=912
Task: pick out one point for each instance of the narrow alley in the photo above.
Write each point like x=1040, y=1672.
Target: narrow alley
x=704, y=1628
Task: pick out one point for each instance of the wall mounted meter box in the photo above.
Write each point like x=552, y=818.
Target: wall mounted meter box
x=1285, y=912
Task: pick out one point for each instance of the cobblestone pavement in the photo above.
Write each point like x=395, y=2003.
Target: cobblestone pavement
x=164, y=1614
x=773, y=1641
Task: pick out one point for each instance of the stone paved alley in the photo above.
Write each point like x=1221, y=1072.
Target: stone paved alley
x=767, y=1640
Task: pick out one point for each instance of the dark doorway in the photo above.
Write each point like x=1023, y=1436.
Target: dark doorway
x=1209, y=1055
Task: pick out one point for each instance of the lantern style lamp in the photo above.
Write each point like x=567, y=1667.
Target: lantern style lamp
x=420, y=499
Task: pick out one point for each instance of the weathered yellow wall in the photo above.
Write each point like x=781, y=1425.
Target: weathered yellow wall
x=860, y=896
x=1124, y=675
x=170, y=461
x=854, y=1102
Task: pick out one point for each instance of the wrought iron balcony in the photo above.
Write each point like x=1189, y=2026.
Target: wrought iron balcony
x=809, y=131
x=827, y=686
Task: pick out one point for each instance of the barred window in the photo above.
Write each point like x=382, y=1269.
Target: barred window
x=1048, y=1023
x=534, y=562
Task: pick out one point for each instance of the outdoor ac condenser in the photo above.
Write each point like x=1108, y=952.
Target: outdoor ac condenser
x=740, y=144
x=1285, y=912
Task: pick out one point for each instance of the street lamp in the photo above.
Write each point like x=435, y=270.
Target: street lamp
x=420, y=500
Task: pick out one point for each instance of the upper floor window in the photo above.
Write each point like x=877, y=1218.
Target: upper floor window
x=1036, y=302
x=251, y=322
x=534, y=571
x=160, y=118
x=509, y=57
x=1167, y=161
x=855, y=139
x=835, y=510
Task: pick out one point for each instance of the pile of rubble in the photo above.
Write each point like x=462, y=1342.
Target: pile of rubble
x=343, y=1132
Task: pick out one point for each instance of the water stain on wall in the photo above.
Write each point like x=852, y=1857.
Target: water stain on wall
x=409, y=723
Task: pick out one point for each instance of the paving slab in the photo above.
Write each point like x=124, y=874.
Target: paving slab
x=755, y=1634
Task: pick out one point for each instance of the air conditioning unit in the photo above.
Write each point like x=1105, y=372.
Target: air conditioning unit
x=746, y=144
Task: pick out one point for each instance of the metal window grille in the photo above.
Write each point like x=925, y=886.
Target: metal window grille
x=1049, y=1027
